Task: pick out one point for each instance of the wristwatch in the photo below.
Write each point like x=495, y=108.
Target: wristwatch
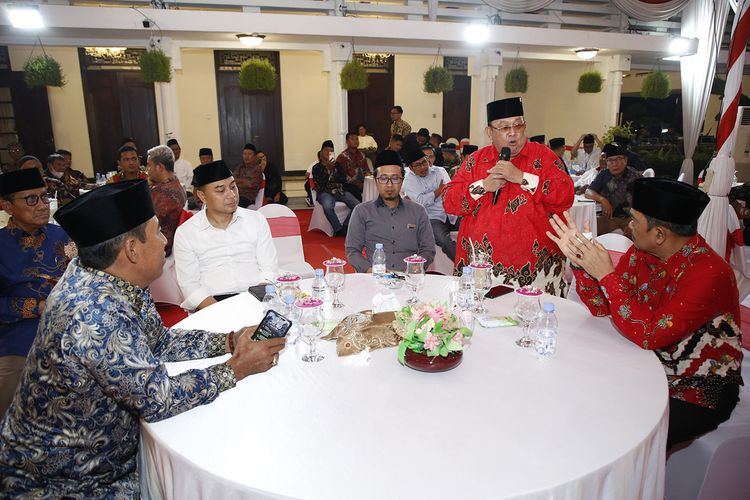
x=478, y=190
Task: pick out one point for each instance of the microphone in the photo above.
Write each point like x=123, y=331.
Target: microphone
x=505, y=156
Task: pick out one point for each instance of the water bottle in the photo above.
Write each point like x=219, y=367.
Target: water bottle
x=545, y=341
x=269, y=299
x=319, y=286
x=378, y=261
x=465, y=298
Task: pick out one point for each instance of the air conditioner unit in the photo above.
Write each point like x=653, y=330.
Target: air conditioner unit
x=741, y=152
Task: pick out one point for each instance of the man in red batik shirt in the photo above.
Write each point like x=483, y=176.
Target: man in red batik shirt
x=531, y=186
x=354, y=164
x=670, y=293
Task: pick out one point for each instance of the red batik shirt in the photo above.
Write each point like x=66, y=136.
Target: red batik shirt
x=685, y=309
x=513, y=231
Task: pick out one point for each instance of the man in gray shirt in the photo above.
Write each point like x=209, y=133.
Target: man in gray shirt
x=402, y=226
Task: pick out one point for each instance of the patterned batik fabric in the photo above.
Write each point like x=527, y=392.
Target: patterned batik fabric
x=400, y=127
x=169, y=200
x=249, y=180
x=685, y=309
x=354, y=164
x=30, y=267
x=513, y=230
x=617, y=190
x=95, y=369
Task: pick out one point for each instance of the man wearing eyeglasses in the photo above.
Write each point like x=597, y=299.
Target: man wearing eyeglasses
x=35, y=255
x=506, y=204
x=402, y=226
x=612, y=188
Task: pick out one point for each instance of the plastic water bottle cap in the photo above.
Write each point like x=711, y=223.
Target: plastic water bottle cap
x=378, y=246
x=468, y=270
x=548, y=307
x=270, y=289
x=319, y=273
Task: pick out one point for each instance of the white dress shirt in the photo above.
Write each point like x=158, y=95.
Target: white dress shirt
x=184, y=172
x=211, y=261
x=587, y=161
x=421, y=190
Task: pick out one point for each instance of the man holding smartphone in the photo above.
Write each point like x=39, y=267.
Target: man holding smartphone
x=97, y=364
x=329, y=178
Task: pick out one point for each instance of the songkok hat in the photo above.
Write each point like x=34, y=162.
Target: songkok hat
x=504, y=108
x=21, y=180
x=537, y=138
x=251, y=147
x=388, y=157
x=556, y=142
x=424, y=132
x=414, y=155
x=106, y=212
x=172, y=142
x=613, y=149
x=588, y=139
x=469, y=148
x=210, y=172
x=205, y=152
x=327, y=144
x=448, y=147
x=669, y=200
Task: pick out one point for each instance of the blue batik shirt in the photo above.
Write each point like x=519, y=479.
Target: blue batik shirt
x=30, y=266
x=94, y=370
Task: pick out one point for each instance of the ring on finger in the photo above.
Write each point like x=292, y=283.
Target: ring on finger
x=275, y=360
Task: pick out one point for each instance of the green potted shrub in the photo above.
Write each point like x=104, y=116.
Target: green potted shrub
x=155, y=65
x=517, y=80
x=656, y=85
x=437, y=79
x=354, y=76
x=590, y=82
x=43, y=71
x=257, y=74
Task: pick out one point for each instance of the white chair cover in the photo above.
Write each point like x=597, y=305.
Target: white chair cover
x=649, y=172
x=165, y=289
x=318, y=219
x=287, y=240
x=442, y=264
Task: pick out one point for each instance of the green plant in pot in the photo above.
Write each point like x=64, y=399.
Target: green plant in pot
x=155, y=65
x=590, y=82
x=43, y=71
x=437, y=79
x=257, y=74
x=354, y=76
x=517, y=80
x=656, y=85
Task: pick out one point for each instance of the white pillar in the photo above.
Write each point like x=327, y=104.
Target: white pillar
x=612, y=70
x=485, y=67
x=338, y=109
x=168, y=109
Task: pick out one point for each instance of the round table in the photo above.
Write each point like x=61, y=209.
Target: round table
x=589, y=422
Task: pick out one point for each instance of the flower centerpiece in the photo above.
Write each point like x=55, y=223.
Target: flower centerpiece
x=432, y=337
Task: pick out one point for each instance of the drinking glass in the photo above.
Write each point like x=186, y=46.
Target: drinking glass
x=482, y=272
x=414, y=276
x=335, y=277
x=527, y=310
x=311, y=324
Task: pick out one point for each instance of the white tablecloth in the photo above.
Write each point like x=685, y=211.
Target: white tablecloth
x=590, y=422
x=583, y=211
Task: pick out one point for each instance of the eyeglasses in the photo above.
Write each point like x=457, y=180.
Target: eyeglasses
x=613, y=159
x=394, y=179
x=32, y=199
x=516, y=128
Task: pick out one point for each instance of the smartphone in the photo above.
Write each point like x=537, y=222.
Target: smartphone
x=497, y=291
x=258, y=291
x=272, y=325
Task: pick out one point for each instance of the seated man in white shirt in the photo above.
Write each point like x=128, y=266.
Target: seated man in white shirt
x=425, y=184
x=587, y=157
x=224, y=249
x=183, y=170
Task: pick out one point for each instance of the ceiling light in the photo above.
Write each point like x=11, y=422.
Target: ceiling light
x=251, y=40
x=679, y=46
x=586, y=54
x=26, y=18
x=477, y=34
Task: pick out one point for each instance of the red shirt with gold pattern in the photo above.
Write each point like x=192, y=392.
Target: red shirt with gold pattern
x=685, y=309
x=513, y=231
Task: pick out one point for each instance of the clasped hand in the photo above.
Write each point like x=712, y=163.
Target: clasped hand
x=252, y=356
x=590, y=255
x=502, y=173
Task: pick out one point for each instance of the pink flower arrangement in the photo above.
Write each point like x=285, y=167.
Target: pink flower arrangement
x=430, y=329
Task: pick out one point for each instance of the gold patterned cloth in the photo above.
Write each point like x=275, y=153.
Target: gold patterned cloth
x=363, y=330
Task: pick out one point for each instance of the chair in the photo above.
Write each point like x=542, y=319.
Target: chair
x=318, y=219
x=616, y=245
x=681, y=177
x=442, y=264
x=649, y=172
x=287, y=240
x=166, y=291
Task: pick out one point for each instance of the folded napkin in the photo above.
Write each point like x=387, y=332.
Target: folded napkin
x=385, y=302
x=364, y=330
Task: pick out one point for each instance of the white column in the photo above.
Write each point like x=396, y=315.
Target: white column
x=338, y=109
x=485, y=67
x=612, y=69
x=168, y=110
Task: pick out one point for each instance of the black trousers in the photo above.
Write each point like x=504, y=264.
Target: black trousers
x=688, y=421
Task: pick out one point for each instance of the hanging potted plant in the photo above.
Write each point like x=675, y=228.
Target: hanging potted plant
x=437, y=79
x=517, y=80
x=590, y=82
x=43, y=71
x=257, y=74
x=656, y=85
x=354, y=76
x=155, y=65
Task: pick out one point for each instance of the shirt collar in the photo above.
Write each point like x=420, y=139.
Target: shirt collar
x=380, y=203
x=130, y=290
x=15, y=230
x=205, y=224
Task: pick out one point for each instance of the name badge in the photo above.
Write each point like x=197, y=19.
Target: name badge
x=411, y=226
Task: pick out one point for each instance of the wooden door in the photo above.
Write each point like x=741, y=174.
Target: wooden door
x=118, y=104
x=372, y=105
x=248, y=116
x=457, y=108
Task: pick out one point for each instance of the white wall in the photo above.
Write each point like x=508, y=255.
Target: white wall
x=420, y=108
